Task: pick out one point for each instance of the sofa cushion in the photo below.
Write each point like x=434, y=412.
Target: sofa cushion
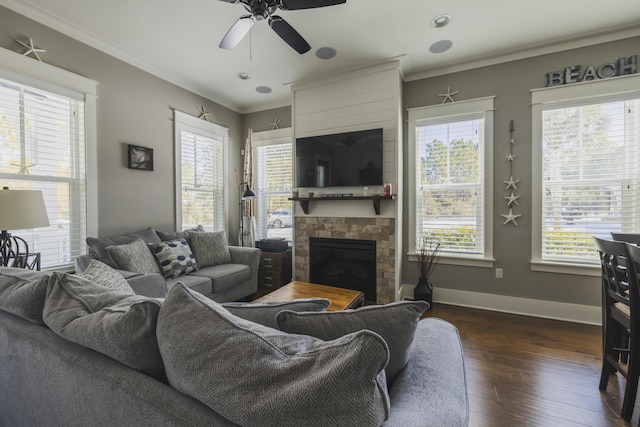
x=135, y=256
x=98, y=245
x=109, y=321
x=210, y=248
x=265, y=312
x=223, y=276
x=174, y=257
x=22, y=293
x=396, y=323
x=258, y=376
x=100, y=273
x=174, y=235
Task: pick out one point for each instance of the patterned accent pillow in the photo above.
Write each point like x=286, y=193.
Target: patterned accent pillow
x=100, y=273
x=174, y=257
x=281, y=379
x=111, y=322
x=134, y=256
x=210, y=248
x=396, y=323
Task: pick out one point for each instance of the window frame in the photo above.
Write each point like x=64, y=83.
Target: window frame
x=25, y=70
x=442, y=112
x=584, y=93
x=192, y=124
x=267, y=138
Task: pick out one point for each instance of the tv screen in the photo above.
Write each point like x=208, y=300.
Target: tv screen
x=347, y=159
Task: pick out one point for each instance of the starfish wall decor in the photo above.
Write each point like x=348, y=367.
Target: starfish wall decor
x=449, y=95
x=512, y=199
x=203, y=114
x=31, y=49
x=276, y=123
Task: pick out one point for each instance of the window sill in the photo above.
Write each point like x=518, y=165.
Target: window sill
x=557, y=267
x=467, y=261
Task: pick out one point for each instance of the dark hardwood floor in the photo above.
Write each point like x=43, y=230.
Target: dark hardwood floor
x=527, y=371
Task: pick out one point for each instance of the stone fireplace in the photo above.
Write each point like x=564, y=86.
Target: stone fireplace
x=380, y=230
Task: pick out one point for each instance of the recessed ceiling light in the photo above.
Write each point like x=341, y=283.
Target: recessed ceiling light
x=263, y=89
x=244, y=76
x=326, y=52
x=440, y=46
x=440, y=21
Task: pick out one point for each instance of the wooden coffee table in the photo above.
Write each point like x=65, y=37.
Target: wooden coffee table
x=341, y=299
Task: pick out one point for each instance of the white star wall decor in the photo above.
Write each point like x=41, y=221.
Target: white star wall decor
x=510, y=217
x=275, y=124
x=203, y=114
x=512, y=199
x=31, y=49
x=449, y=95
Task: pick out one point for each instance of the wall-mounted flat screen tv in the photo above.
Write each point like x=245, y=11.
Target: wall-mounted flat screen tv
x=347, y=159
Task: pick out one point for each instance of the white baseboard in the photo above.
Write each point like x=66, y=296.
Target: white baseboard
x=529, y=307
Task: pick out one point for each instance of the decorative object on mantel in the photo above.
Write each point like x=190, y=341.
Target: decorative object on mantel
x=449, y=95
x=204, y=115
x=276, y=123
x=140, y=157
x=31, y=49
x=511, y=183
x=20, y=209
x=427, y=254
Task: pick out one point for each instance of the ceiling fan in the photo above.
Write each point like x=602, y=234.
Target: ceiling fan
x=261, y=10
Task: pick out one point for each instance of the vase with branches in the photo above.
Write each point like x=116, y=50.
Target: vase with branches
x=427, y=254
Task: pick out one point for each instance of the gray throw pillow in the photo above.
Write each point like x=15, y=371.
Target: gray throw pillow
x=100, y=273
x=135, y=256
x=254, y=375
x=396, y=323
x=210, y=248
x=22, y=293
x=111, y=322
x=174, y=235
x=265, y=313
x=174, y=257
x=98, y=245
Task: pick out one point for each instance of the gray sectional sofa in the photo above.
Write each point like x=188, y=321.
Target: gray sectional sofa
x=67, y=347
x=229, y=281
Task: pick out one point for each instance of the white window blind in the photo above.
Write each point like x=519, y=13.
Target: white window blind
x=43, y=147
x=274, y=173
x=449, y=182
x=201, y=170
x=590, y=176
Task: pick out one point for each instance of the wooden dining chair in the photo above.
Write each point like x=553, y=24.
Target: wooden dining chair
x=620, y=317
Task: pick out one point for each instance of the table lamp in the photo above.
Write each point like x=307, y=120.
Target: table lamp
x=19, y=209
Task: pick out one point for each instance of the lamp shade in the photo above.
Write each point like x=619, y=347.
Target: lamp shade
x=248, y=194
x=22, y=209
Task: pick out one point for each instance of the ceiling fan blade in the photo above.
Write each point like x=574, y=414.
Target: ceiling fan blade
x=231, y=1
x=237, y=32
x=308, y=4
x=289, y=34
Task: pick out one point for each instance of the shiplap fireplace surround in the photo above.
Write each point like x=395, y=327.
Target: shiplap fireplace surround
x=361, y=99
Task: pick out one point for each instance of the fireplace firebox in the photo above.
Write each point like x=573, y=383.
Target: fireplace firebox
x=344, y=263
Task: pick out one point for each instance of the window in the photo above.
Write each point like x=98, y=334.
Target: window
x=47, y=143
x=200, y=173
x=274, y=179
x=588, y=174
x=451, y=170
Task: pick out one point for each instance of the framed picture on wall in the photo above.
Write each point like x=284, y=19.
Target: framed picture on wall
x=140, y=157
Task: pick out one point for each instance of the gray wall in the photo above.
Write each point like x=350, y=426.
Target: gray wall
x=510, y=83
x=133, y=107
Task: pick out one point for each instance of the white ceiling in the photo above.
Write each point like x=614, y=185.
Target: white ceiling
x=178, y=40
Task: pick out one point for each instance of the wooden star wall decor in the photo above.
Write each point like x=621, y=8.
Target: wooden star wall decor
x=512, y=199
